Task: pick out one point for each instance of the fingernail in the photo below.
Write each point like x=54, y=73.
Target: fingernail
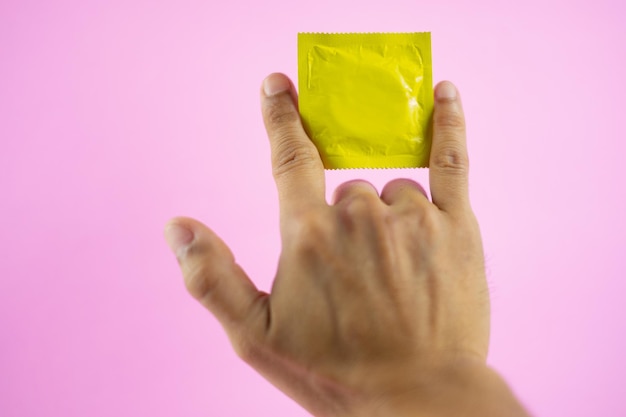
x=275, y=84
x=445, y=91
x=178, y=238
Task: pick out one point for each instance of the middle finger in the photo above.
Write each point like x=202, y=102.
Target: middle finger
x=354, y=188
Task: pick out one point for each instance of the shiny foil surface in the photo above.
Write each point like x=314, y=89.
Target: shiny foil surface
x=366, y=99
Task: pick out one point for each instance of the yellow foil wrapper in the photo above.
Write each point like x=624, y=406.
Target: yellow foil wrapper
x=366, y=99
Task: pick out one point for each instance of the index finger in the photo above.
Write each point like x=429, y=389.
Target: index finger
x=296, y=164
x=449, y=163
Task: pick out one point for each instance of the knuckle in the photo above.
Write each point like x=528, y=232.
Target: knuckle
x=430, y=220
x=360, y=204
x=426, y=220
x=450, y=119
x=279, y=113
x=290, y=154
x=310, y=233
x=200, y=281
x=452, y=159
x=244, y=349
x=364, y=211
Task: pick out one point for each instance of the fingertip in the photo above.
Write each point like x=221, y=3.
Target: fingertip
x=178, y=236
x=445, y=91
x=182, y=232
x=276, y=83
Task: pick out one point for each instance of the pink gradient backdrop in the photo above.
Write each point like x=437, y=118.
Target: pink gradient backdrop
x=118, y=115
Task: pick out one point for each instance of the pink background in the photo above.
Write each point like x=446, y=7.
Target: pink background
x=118, y=115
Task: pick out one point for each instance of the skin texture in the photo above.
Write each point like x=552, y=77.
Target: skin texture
x=380, y=304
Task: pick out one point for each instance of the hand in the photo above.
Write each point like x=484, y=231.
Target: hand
x=377, y=300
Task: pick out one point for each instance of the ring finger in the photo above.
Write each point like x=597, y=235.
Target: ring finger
x=403, y=192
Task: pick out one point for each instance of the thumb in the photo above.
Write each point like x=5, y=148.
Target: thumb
x=210, y=272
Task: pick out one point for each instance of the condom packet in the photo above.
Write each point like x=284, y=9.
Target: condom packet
x=366, y=99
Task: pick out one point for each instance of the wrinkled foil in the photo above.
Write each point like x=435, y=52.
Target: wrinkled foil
x=366, y=99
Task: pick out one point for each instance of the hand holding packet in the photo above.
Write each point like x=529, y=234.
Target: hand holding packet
x=366, y=99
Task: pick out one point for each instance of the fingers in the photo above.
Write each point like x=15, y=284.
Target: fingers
x=353, y=188
x=297, y=167
x=210, y=272
x=449, y=163
x=404, y=192
x=400, y=193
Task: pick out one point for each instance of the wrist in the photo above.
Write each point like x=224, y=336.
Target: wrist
x=468, y=389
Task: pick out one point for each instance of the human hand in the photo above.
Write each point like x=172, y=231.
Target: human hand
x=377, y=300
